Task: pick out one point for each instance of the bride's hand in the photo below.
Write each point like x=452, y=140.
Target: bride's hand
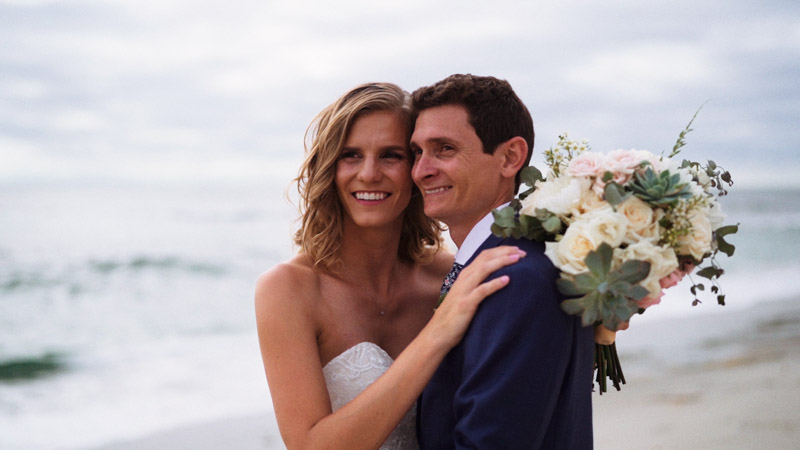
x=453, y=316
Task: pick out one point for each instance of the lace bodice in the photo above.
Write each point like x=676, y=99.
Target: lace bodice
x=351, y=372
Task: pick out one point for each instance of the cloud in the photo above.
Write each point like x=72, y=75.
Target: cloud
x=120, y=85
x=646, y=72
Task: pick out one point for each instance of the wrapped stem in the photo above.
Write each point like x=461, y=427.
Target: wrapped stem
x=607, y=365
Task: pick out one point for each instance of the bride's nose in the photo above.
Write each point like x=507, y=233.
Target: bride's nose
x=369, y=170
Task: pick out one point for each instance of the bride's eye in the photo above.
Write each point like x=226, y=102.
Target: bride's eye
x=398, y=155
x=347, y=154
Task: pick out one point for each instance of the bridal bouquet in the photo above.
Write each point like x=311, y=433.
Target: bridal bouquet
x=621, y=227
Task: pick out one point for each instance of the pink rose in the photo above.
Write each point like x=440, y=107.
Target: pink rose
x=599, y=186
x=650, y=301
x=586, y=165
x=624, y=161
x=677, y=275
x=671, y=279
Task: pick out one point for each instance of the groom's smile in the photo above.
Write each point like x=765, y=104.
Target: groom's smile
x=438, y=190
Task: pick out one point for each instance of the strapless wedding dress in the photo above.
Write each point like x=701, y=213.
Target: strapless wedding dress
x=351, y=372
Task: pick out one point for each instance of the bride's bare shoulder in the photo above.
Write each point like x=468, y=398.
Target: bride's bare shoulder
x=291, y=281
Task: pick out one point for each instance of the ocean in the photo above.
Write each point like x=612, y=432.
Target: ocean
x=129, y=310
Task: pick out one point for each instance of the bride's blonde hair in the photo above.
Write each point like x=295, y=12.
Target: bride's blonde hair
x=320, y=233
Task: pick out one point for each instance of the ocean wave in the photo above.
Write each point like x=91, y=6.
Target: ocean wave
x=17, y=279
x=31, y=368
x=140, y=263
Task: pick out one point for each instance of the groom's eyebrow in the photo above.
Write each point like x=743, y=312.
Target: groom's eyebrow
x=435, y=141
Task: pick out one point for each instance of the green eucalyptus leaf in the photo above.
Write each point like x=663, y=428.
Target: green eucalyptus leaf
x=552, y=224
x=523, y=195
x=542, y=214
x=710, y=272
x=724, y=246
x=726, y=230
x=530, y=175
x=505, y=217
x=497, y=230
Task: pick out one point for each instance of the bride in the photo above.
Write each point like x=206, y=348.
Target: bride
x=347, y=328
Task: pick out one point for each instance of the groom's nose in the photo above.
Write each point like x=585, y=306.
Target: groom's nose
x=423, y=167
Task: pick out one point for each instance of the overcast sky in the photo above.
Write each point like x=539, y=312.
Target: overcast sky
x=211, y=90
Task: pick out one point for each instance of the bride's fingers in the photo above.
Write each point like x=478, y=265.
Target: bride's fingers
x=490, y=287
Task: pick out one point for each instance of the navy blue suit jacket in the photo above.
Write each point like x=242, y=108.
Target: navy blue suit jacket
x=521, y=377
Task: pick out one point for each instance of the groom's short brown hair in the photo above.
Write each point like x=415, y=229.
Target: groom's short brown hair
x=495, y=111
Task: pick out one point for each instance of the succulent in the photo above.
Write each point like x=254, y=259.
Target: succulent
x=659, y=190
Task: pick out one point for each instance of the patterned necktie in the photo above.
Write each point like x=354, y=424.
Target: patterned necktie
x=451, y=278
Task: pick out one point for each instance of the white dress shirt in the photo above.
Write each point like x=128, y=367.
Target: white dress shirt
x=476, y=236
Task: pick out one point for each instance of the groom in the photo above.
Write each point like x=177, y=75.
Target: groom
x=522, y=375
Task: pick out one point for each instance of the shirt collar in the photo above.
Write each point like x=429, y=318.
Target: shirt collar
x=476, y=236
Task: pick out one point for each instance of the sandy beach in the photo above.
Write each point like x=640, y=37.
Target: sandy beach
x=729, y=379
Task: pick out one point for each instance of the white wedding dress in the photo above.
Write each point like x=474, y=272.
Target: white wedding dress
x=351, y=372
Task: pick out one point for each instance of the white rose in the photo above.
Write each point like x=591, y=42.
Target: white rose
x=715, y=214
x=558, y=196
x=640, y=219
x=606, y=225
x=698, y=242
x=585, y=235
x=704, y=180
x=589, y=202
x=656, y=163
x=687, y=177
x=662, y=259
x=568, y=253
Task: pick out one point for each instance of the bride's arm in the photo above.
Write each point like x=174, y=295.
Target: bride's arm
x=291, y=359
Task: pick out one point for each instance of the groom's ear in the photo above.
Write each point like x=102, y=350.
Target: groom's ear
x=514, y=152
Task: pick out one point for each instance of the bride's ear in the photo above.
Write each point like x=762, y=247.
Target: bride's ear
x=514, y=152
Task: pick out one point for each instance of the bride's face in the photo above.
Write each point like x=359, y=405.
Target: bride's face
x=373, y=174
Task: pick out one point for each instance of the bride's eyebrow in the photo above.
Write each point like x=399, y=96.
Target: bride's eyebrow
x=388, y=148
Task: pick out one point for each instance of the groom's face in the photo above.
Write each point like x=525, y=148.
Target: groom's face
x=459, y=182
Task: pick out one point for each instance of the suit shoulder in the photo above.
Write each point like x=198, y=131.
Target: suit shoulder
x=535, y=260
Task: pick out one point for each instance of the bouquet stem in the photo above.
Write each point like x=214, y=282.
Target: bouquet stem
x=606, y=363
